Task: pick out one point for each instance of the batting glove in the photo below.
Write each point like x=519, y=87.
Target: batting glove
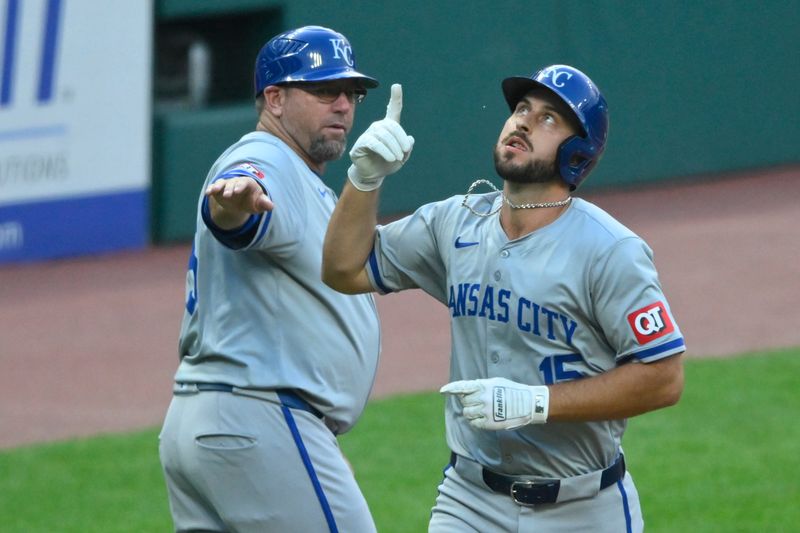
x=382, y=148
x=499, y=403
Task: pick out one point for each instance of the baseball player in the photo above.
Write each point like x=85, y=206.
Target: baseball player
x=273, y=363
x=560, y=329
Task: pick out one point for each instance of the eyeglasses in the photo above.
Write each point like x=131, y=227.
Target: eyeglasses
x=328, y=93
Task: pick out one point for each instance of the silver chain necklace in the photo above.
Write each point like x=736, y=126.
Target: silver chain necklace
x=508, y=202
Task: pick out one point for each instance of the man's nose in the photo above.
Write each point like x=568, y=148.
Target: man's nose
x=343, y=102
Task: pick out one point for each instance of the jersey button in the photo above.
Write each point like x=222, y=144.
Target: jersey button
x=497, y=275
x=508, y=458
x=495, y=358
x=505, y=253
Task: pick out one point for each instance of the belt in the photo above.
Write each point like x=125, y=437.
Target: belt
x=287, y=397
x=527, y=492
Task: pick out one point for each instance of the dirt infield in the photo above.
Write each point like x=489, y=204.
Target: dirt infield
x=89, y=345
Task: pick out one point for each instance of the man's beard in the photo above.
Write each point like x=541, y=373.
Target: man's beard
x=531, y=172
x=323, y=149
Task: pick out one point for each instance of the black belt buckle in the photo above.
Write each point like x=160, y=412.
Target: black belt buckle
x=529, y=492
x=534, y=492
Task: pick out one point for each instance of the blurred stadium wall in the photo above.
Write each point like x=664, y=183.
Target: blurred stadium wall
x=694, y=88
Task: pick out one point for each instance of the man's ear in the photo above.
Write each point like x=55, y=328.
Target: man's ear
x=274, y=99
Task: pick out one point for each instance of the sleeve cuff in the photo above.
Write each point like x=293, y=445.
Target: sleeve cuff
x=375, y=275
x=661, y=351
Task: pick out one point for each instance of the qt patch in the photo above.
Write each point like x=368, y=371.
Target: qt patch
x=650, y=322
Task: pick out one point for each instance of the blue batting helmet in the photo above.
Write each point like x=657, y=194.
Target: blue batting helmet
x=310, y=53
x=578, y=155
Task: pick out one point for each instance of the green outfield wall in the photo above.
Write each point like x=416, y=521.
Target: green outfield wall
x=694, y=88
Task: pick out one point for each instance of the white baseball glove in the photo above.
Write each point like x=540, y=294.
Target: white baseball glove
x=382, y=149
x=499, y=403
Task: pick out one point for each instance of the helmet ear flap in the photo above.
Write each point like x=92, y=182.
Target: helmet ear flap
x=576, y=158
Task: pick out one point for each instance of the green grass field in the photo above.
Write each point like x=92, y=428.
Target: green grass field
x=725, y=459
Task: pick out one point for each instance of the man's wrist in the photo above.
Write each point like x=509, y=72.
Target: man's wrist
x=362, y=184
x=541, y=404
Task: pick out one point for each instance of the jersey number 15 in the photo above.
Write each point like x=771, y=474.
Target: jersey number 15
x=553, y=368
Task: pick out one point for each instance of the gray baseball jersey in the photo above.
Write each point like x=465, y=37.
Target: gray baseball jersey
x=310, y=338
x=570, y=300
x=266, y=350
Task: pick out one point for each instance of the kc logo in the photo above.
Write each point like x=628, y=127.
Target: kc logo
x=556, y=74
x=650, y=322
x=342, y=49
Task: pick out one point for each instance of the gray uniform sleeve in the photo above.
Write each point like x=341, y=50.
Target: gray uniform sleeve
x=630, y=305
x=278, y=231
x=406, y=255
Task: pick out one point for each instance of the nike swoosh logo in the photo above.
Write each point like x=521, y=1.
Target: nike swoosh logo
x=322, y=192
x=460, y=244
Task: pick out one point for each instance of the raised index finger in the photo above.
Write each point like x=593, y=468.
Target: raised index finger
x=395, y=106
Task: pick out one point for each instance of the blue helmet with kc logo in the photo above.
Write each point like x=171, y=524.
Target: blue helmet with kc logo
x=310, y=53
x=579, y=154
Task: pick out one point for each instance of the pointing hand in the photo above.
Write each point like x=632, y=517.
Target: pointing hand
x=382, y=149
x=233, y=200
x=499, y=403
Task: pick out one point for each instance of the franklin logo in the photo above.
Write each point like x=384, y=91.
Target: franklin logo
x=342, y=50
x=650, y=322
x=499, y=404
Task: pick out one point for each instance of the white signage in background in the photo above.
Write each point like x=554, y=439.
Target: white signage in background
x=75, y=119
